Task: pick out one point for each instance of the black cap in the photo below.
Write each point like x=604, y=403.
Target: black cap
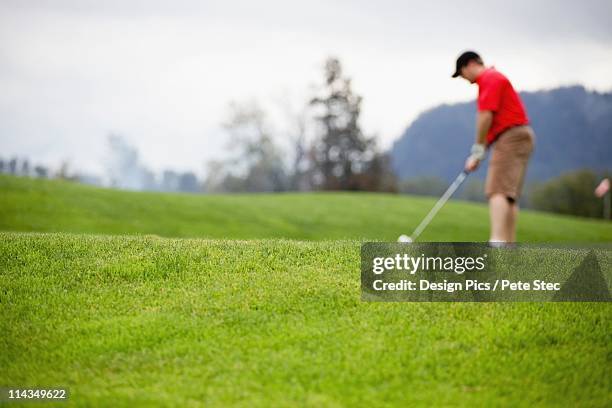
x=463, y=60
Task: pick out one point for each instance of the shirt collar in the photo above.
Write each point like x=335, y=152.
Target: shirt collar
x=479, y=77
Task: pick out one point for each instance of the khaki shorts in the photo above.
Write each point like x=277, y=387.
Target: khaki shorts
x=508, y=162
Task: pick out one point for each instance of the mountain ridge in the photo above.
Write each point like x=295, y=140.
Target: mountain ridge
x=573, y=129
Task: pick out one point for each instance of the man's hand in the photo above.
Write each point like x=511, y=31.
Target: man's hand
x=471, y=164
x=476, y=156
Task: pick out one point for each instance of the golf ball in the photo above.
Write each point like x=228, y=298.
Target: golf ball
x=404, y=238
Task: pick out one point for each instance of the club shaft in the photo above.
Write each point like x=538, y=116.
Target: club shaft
x=432, y=213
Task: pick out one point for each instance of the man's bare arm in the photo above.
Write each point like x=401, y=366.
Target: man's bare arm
x=478, y=151
x=483, y=124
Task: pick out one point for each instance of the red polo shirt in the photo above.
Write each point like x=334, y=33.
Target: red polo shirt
x=496, y=94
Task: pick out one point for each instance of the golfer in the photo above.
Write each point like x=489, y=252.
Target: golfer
x=501, y=124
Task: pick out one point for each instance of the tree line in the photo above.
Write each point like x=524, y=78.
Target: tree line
x=328, y=148
x=571, y=193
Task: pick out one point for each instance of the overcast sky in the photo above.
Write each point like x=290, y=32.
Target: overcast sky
x=162, y=73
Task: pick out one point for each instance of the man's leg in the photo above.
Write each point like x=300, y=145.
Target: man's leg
x=503, y=213
x=505, y=179
x=515, y=211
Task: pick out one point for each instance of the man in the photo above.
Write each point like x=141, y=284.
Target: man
x=501, y=123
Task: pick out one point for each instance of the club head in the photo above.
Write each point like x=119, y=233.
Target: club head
x=404, y=238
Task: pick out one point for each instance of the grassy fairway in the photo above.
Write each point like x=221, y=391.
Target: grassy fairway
x=142, y=321
x=55, y=206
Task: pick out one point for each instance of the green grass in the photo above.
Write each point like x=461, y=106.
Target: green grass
x=56, y=206
x=271, y=316
x=144, y=321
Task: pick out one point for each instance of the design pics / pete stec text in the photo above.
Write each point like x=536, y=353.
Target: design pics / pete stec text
x=413, y=264
x=427, y=268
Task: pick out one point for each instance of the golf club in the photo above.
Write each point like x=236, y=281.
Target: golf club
x=432, y=213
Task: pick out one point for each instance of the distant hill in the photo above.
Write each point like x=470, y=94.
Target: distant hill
x=573, y=128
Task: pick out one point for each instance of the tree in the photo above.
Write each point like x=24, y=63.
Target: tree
x=257, y=163
x=64, y=172
x=124, y=167
x=41, y=171
x=188, y=182
x=300, y=167
x=215, y=176
x=300, y=180
x=12, y=166
x=170, y=180
x=344, y=157
x=25, y=167
x=571, y=193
